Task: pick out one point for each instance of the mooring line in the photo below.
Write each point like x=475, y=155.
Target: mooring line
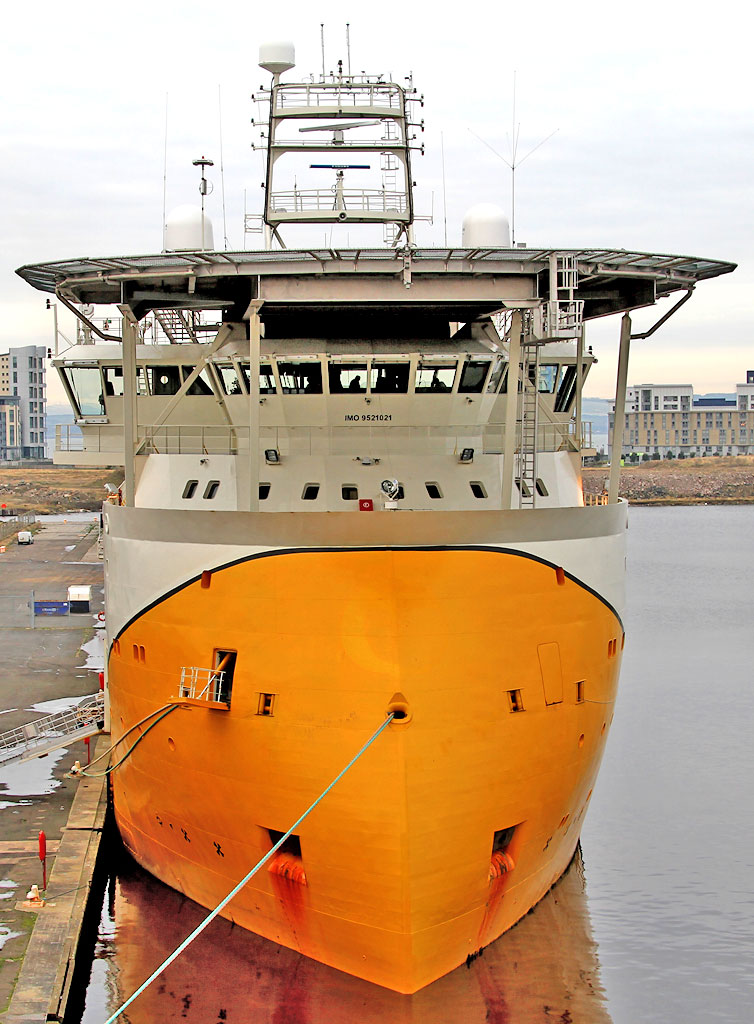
x=111, y=768
x=236, y=889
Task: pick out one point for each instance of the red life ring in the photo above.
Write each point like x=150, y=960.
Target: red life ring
x=101, y=616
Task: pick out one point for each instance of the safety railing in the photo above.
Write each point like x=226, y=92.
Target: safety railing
x=202, y=684
x=53, y=731
x=326, y=200
x=596, y=499
x=380, y=435
x=382, y=95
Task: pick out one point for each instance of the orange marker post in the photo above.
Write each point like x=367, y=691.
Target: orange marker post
x=43, y=858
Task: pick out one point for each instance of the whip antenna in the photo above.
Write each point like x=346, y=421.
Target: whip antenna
x=165, y=179
x=222, y=166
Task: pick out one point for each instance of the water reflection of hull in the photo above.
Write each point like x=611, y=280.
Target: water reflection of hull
x=545, y=969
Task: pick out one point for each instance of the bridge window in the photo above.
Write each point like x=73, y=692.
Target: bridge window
x=310, y=492
x=387, y=378
x=566, y=388
x=87, y=389
x=113, y=380
x=211, y=489
x=264, y=491
x=433, y=489
x=229, y=379
x=163, y=380
x=499, y=373
x=300, y=378
x=190, y=489
x=435, y=377
x=266, y=378
x=473, y=376
x=548, y=375
x=349, y=492
x=201, y=385
x=478, y=489
x=347, y=377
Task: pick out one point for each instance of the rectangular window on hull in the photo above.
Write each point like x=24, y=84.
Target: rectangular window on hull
x=224, y=667
x=266, y=705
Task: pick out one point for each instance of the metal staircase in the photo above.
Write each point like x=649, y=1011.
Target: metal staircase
x=39, y=738
x=177, y=325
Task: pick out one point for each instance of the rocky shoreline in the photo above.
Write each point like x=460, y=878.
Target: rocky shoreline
x=711, y=481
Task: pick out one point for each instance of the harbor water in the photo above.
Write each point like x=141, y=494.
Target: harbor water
x=655, y=922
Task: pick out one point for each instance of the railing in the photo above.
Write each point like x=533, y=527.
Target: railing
x=221, y=439
x=596, y=499
x=384, y=95
x=202, y=684
x=326, y=200
x=53, y=731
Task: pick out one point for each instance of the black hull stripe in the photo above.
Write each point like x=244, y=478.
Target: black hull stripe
x=381, y=547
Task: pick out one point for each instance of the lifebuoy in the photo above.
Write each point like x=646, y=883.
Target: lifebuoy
x=101, y=616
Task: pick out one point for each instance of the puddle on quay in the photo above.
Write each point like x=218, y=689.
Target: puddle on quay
x=545, y=969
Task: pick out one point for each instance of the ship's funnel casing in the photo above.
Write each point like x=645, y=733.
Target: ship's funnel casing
x=277, y=57
x=485, y=225
x=188, y=230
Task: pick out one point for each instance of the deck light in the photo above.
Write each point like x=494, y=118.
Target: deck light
x=467, y=455
x=272, y=456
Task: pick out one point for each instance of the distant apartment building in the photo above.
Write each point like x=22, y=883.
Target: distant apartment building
x=22, y=376
x=10, y=428
x=667, y=418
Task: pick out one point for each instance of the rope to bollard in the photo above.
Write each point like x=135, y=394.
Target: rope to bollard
x=234, y=892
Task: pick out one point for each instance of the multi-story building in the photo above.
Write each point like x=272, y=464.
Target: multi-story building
x=22, y=376
x=667, y=418
x=10, y=428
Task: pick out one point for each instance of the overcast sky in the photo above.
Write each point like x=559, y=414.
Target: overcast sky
x=653, y=151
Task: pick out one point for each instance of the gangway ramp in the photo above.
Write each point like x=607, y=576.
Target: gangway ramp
x=36, y=739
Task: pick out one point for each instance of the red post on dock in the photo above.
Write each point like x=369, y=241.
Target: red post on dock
x=43, y=858
x=88, y=750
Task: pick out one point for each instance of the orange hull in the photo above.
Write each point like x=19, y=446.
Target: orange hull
x=398, y=859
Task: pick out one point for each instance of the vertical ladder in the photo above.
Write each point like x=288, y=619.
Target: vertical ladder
x=526, y=479
x=389, y=168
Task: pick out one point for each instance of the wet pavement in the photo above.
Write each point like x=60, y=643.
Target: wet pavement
x=44, y=669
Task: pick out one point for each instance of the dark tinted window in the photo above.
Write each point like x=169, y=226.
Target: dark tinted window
x=386, y=378
x=347, y=377
x=300, y=378
x=473, y=376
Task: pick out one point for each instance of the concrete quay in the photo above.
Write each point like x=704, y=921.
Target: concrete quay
x=44, y=669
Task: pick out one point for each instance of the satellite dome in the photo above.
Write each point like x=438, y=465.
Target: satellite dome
x=486, y=225
x=277, y=57
x=186, y=230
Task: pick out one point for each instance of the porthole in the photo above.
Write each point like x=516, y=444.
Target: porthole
x=190, y=489
x=211, y=489
x=541, y=489
x=264, y=491
x=478, y=489
x=310, y=492
x=433, y=489
x=349, y=492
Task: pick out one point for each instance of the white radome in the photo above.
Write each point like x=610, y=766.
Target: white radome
x=277, y=57
x=486, y=225
x=186, y=230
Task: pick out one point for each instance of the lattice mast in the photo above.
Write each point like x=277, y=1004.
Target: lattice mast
x=357, y=128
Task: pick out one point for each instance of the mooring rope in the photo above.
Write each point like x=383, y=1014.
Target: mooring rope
x=167, y=708
x=236, y=889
